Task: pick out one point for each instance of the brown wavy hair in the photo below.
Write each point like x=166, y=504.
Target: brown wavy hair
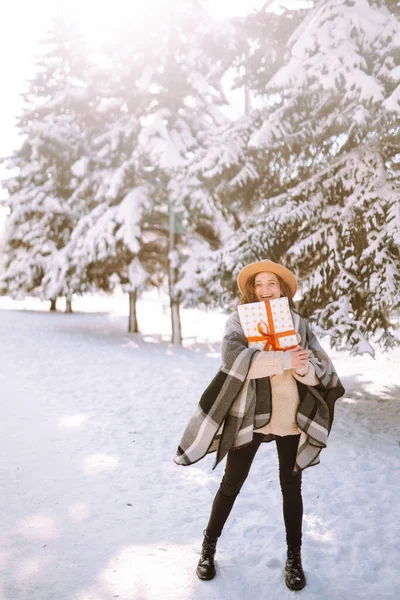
x=249, y=292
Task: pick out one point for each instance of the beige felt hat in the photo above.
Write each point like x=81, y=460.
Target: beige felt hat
x=271, y=267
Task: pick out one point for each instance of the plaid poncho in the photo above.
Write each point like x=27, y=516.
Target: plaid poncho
x=232, y=407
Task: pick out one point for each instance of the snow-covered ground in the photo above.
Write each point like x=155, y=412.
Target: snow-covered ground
x=93, y=507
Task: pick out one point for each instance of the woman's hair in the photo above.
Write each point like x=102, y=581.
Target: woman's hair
x=249, y=292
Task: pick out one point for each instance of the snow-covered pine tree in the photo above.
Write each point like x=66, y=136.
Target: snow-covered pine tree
x=103, y=250
x=187, y=100
x=166, y=93
x=223, y=183
x=108, y=247
x=338, y=115
x=52, y=125
x=329, y=130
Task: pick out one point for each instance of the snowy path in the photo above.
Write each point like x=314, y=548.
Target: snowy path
x=94, y=508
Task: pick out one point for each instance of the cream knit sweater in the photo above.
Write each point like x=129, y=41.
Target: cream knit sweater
x=285, y=395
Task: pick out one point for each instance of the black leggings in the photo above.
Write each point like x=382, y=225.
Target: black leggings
x=237, y=468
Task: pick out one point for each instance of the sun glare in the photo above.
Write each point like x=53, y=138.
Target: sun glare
x=101, y=19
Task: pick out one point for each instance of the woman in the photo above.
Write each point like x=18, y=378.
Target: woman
x=260, y=396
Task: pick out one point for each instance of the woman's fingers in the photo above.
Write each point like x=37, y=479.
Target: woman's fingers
x=301, y=353
x=299, y=357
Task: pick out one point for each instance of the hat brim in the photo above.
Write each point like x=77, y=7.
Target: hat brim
x=267, y=266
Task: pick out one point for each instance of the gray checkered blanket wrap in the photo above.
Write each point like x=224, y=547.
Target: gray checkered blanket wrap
x=232, y=406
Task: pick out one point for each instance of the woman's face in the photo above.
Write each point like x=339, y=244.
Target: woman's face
x=267, y=286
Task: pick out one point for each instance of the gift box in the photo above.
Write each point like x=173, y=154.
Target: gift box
x=268, y=325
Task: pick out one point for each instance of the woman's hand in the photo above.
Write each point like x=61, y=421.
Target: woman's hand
x=299, y=358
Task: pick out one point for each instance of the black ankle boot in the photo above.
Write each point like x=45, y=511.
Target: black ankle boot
x=295, y=579
x=206, y=568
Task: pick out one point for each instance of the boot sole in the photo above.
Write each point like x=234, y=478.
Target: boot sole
x=295, y=588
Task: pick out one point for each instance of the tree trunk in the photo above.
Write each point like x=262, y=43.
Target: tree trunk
x=133, y=323
x=247, y=105
x=68, y=305
x=176, y=324
x=247, y=97
x=172, y=277
x=53, y=303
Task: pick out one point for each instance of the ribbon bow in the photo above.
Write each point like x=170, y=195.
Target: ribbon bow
x=271, y=339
